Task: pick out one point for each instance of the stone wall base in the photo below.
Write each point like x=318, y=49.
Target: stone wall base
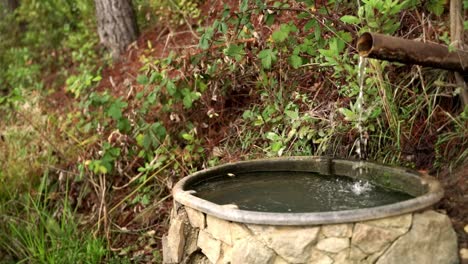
x=422, y=237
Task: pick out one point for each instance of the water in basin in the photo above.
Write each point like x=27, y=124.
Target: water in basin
x=294, y=192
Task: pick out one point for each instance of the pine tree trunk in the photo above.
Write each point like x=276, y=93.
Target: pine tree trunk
x=117, y=26
x=11, y=5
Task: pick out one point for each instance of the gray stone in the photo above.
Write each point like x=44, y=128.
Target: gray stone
x=165, y=250
x=372, y=258
x=291, y=243
x=333, y=244
x=280, y=260
x=371, y=239
x=338, y=230
x=399, y=223
x=356, y=254
x=226, y=254
x=196, y=218
x=318, y=257
x=175, y=241
x=249, y=250
x=238, y=231
x=209, y=246
x=431, y=239
x=342, y=257
x=219, y=229
x=191, y=242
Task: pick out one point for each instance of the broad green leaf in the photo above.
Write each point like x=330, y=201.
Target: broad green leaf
x=350, y=20
x=145, y=200
x=187, y=101
x=235, y=51
x=146, y=142
x=142, y=79
x=436, y=6
x=188, y=137
x=276, y=146
x=269, y=19
x=244, y=5
x=295, y=61
x=292, y=114
x=272, y=136
x=124, y=125
x=139, y=139
x=171, y=88
x=280, y=35
x=205, y=38
x=159, y=130
x=267, y=56
x=311, y=23
x=115, y=110
x=348, y=114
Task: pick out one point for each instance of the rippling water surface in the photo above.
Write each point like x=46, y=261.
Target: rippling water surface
x=295, y=192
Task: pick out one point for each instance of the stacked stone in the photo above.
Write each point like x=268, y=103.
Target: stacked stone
x=424, y=237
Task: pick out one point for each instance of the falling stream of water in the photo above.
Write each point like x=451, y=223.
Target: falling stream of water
x=361, y=146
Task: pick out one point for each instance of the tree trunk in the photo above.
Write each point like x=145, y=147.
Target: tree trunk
x=117, y=26
x=11, y=5
x=456, y=35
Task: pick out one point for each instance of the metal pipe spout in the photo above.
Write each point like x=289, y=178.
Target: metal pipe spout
x=383, y=47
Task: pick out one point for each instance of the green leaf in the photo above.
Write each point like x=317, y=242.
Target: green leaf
x=295, y=61
x=115, y=110
x=346, y=36
x=187, y=101
x=244, y=5
x=159, y=130
x=348, y=114
x=188, y=137
x=124, y=125
x=292, y=114
x=171, y=88
x=140, y=140
x=280, y=35
x=276, y=146
x=310, y=24
x=146, y=142
x=272, y=136
x=235, y=51
x=142, y=79
x=436, y=6
x=206, y=38
x=350, y=20
x=145, y=200
x=267, y=56
x=269, y=19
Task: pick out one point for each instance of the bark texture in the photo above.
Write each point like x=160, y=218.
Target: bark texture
x=117, y=26
x=11, y=5
x=456, y=35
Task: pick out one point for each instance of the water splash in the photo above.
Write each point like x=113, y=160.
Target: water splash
x=361, y=146
x=361, y=187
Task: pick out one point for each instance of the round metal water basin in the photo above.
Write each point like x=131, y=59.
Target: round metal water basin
x=308, y=210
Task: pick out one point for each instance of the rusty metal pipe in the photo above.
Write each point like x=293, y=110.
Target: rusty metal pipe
x=383, y=47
